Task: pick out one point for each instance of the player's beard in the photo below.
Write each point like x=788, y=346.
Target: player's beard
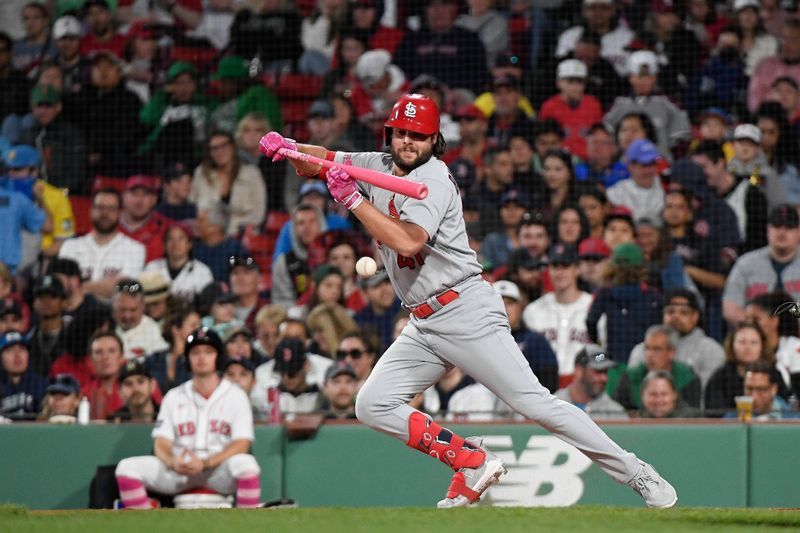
x=423, y=156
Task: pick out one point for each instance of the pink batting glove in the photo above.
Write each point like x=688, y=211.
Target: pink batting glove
x=274, y=141
x=343, y=188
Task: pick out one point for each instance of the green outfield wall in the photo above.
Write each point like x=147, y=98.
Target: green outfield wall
x=711, y=464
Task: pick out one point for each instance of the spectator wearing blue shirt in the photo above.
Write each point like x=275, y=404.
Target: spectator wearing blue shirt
x=382, y=307
x=313, y=192
x=534, y=346
x=602, y=165
x=18, y=211
x=212, y=247
x=21, y=390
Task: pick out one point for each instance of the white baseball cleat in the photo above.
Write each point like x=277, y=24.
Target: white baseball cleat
x=654, y=489
x=470, y=483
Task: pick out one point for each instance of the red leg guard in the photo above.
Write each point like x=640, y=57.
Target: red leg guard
x=429, y=437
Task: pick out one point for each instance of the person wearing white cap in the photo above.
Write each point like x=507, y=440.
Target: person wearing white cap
x=381, y=84
x=571, y=107
x=599, y=16
x=671, y=123
x=749, y=161
x=785, y=63
x=534, y=345
x=67, y=33
x=756, y=42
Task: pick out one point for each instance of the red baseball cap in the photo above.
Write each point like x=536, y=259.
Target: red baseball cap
x=142, y=29
x=150, y=183
x=469, y=111
x=621, y=212
x=593, y=247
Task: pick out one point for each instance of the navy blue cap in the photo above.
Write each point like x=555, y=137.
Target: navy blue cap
x=65, y=384
x=290, y=356
x=246, y=362
x=514, y=195
x=561, y=254
x=11, y=338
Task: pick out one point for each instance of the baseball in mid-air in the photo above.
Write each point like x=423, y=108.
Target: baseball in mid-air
x=366, y=266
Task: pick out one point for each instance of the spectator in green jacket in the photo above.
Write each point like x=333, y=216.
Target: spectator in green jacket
x=177, y=118
x=660, y=343
x=242, y=95
x=661, y=399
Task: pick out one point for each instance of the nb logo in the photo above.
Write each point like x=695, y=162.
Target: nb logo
x=546, y=473
x=410, y=110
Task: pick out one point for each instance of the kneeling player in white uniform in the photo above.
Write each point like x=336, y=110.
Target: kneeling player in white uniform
x=201, y=437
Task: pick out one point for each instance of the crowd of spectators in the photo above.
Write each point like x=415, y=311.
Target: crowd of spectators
x=629, y=173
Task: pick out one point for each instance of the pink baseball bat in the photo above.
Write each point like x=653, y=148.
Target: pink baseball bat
x=409, y=188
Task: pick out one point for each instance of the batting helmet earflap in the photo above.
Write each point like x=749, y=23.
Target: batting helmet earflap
x=413, y=112
x=208, y=337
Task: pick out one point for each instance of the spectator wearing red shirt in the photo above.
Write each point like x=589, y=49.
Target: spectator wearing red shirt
x=574, y=110
x=383, y=30
x=101, y=34
x=139, y=219
x=103, y=391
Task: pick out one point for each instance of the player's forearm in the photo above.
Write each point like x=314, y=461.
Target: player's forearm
x=309, y=169
x=403, y=237
x=234, y=448
x=163, y=450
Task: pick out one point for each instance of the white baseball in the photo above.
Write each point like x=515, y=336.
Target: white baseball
x=366, y=266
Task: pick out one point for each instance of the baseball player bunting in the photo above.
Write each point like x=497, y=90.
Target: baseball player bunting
x=457, y=318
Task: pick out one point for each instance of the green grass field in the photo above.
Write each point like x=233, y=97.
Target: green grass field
x=594, y=519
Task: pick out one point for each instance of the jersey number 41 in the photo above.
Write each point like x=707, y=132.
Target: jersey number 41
x=410, y=262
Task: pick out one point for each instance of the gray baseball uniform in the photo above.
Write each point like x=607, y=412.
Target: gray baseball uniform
x=470, y=332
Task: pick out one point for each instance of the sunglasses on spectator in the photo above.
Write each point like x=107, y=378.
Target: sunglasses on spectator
x=129, y=288
x=466, y=118
x=354, y=353
x=46, y=105
x=575, y=80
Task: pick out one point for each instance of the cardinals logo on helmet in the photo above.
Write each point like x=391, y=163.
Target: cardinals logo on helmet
x=410, y=110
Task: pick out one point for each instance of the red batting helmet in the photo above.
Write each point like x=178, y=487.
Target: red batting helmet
x=413, y=112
